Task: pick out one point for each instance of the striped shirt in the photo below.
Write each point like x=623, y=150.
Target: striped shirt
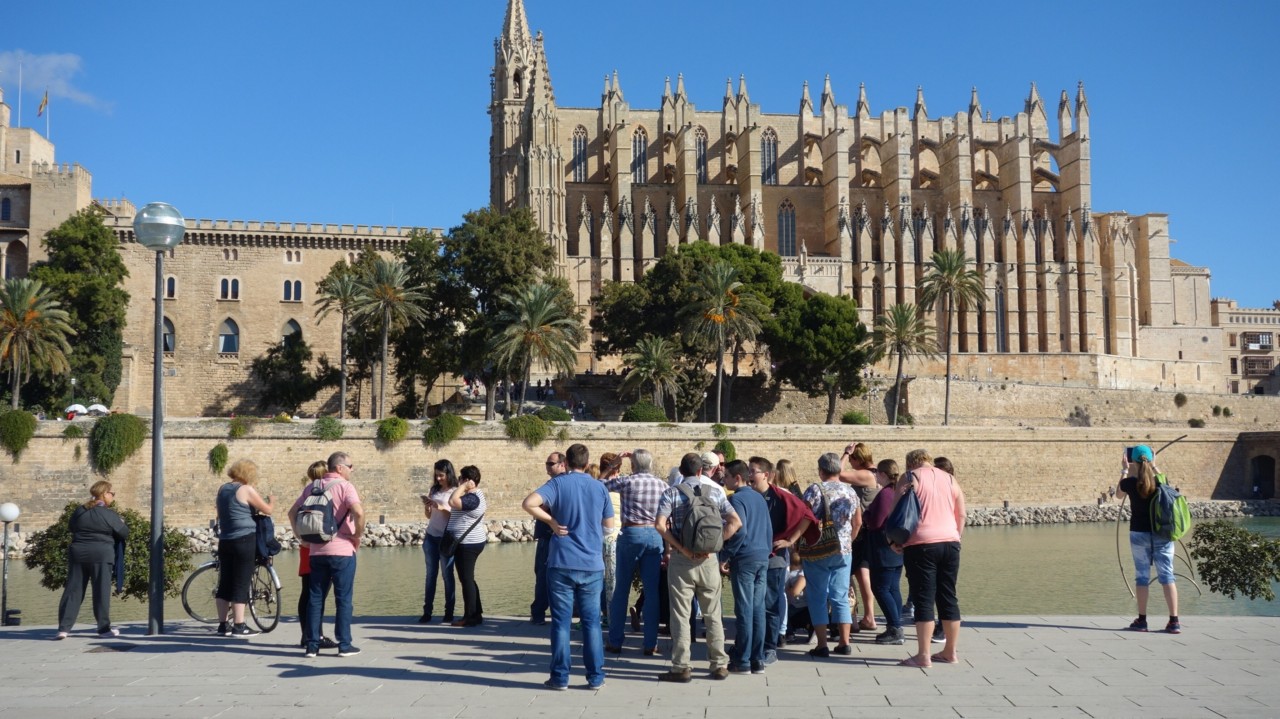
x=473, y=507
x=641, y=493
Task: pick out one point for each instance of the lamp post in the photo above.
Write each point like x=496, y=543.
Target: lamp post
x=73, y=390
x=8, y=513
x=158, y=227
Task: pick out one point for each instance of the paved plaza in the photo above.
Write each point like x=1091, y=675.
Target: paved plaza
x=1011, y=667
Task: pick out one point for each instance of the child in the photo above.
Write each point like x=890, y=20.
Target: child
x=797, y=605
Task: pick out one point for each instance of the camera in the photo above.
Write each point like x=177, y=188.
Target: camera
x=1128, y=454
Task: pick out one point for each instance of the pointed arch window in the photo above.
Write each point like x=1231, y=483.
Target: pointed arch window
x=6, y=210
x=700, y=145
x=877, y=297
x=229, y=337
x=293, y=290
x=292, y=331
x=787, y=229
x=639, y=156
x=170, y=287
x=169, y=338
x=229, y=289
x=769, y=156
x=580, y=154
x=1002, y=319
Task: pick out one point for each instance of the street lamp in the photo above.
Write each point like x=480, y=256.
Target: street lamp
x=8, y=513
x=158, y=227
x=73, y=390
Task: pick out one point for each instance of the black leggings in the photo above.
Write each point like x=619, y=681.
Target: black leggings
x=464, y=561
x=932, y=573
x=236, y=557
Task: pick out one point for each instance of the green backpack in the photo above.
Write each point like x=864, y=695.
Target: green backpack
x=1170, y=515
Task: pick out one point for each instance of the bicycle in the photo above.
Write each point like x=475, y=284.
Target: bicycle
x=264, y=594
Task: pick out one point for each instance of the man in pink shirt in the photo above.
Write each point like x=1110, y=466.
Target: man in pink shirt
x=932, y=556
x=334, y=562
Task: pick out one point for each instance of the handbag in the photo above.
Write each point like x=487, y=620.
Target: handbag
x=904, y=518
x=828, y=542
x=449, y=543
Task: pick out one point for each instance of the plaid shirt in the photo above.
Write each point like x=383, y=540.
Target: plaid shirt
x=641, y=493
x=676, y=506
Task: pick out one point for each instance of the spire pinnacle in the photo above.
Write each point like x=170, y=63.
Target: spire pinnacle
x=617, y=86
x=974, y=104
x=666, y=89
x=920, y=108
x=742, y=88
x=728, y=88
x=804, y=98
x=680, y=84
x=1033, y=99
x=515, y=26
x=864, y=107
x=1082, y=102
x=827, y=94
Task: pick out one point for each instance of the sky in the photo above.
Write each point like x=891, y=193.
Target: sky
x=376, y=113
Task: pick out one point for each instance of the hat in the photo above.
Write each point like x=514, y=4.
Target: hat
x=1141, y=453
x=710, y=460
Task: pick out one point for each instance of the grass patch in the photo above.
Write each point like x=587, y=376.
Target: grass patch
x=327, y=429
x=529, y=428
x=240, y=426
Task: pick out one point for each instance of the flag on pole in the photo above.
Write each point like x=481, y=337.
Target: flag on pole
x=44, y=104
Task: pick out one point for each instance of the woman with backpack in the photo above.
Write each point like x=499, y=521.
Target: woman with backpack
x=95, y=531
x=315, y=471
x=467, y=536
x=1138, y=482
x=237, y=545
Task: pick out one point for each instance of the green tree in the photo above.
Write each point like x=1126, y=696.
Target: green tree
x=361, y=337
x=538, y=322
x=339, y=293
x=427, y=350
x=818, y=344
x=723, y=310
x=901, y=332
x=86, y=273
x=951, y=281
x=287, y=383
x=33, y=332
x=654, y=362
x=387, y=298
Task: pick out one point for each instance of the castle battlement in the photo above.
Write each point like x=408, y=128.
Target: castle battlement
x=70, y=170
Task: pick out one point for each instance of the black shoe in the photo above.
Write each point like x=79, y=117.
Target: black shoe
x=424, y=619
x=327, y=643
x=635, y=620
x=892, y=635
x=224, y=629
x=843, y=650
x=820, y=652
x=939, y=637
x=244, y=630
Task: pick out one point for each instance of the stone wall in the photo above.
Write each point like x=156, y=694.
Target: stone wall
x=1024, y=466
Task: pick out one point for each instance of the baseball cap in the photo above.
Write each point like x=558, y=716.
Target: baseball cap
x=1142, y=453
x=709, y=459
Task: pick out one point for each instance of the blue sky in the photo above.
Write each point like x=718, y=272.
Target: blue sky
x=375, y=113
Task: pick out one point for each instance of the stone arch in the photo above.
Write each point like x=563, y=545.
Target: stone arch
x=229, y=337
x=927, y=173
x=579, y=159
x=1262, y=474
x=639, y=156
x=290, y=330
x=16, y=259
x=769, y=156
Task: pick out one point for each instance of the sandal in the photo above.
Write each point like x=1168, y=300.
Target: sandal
x=911, y=661
x=939, y=658
x=867, y=625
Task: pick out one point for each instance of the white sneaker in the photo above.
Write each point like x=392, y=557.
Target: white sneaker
x=112, y=632
x=61, y=635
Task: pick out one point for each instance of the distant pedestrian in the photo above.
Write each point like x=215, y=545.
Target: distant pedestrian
x=862, y=477
x=886, y=563
x=95, y=529
x=827, y=563
x=790, y=518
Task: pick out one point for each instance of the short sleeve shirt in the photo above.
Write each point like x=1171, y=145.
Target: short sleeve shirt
x=675, y=505
x=641, y=493
x=462, y=522
x=842, y=502
x=345, y=542
x=1140, y=514
x=580, y=504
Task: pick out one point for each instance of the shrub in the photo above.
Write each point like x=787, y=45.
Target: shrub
x=327, y=429
x=1180, y=399
x=114, y=439
x=1226, y=411
x=47, y=552
x=552, y=413
x=725, y=447
x=445, y=428
x=72, y=431
x=528, y=428
x=218, y=458
x=282, y=418
x=854, y=416
x=1232, y=560
x=719, y=431
x=391, y=430
x=240, y=426
x=17, y=427
x=644, y=411
x=1196, y=422
x=1217, y=410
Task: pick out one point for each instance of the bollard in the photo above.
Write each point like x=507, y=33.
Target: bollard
x=1006, y=504
x=382, y=519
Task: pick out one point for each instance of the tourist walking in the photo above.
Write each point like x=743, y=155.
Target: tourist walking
x=932, y=556
x=542, y=537
x=745, y=558
x=827, y=560
x=237, y=501
x=435, y=505
x=639, y=548
x=1138, y=482
x=95, y=531
x=575, y=562
x=693, y=571
x=315, y=471
x=790, y=518
x=467, y=531
x=333, y=563
x=885, y=561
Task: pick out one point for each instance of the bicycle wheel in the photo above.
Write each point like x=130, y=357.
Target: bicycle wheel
x=264, y=599
x=197, y=594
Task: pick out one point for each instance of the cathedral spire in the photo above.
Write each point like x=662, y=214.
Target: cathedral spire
x=864, y=108
x=827, y=94
x=1082, y=102
x=680, y=84
x=742, y=89
x=1033, y=100
x=974, y=104
x=666, y=89
x=617, y=86
x=920, y=109
x=607, y=88
x=515, y=27
x=805, y=102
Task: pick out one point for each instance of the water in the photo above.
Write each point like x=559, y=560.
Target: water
x=1042, y=570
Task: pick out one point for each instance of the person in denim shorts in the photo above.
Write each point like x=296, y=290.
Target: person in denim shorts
x=1138, y=482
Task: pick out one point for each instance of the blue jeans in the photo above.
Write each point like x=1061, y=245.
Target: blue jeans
x=775, y=606
x=576, y=589
x=437, y=566
x=827, y=582
x=340, y=573
x=538, y=609
x=1147, y=549
x=638, y=547
x=749, y=592
x=886, y=584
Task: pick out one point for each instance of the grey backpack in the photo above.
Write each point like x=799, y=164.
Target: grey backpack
x=703, y=531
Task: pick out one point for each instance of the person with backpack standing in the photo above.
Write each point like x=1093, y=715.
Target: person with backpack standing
x=695, y=519
x=237, y=545
x=314, y=472
x=329, y=517
x=1139, y=481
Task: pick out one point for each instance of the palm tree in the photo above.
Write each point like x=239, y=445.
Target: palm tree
x=952, y=281
x=722, y=309
x=33, y=331
x=339, y=294
x=384, y=295
x=902, y=332
x=653, y=362
x=537, y=322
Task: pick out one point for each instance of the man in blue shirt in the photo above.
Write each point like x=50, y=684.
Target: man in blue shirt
x=575, y=562
x=746, y=557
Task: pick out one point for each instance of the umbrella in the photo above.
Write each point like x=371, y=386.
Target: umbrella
x=98, y=409
x=77, y=408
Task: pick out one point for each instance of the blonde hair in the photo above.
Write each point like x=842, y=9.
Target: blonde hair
x=593, y=469
x=317, y=470
x=1146, y=479
x=244, y=471
x=918, y=458
x=862, y=453
x=784, y=475
x=97, y=492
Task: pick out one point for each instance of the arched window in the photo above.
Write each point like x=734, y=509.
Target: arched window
x=787, y=229
x=700, y=144
x=169, y=339
x=229, y=289
x=6, y=210
x=639, y=156
x=877, y=297
x=170, y=287
x=229, y=337
x=1002, y=320
x=291, y=331
x=769, y=156
x=580, y=154
x=293, y=290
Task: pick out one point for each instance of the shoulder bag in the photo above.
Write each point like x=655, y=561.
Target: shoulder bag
x=828, y=542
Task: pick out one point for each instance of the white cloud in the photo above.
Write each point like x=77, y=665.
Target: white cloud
x=55, y=72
